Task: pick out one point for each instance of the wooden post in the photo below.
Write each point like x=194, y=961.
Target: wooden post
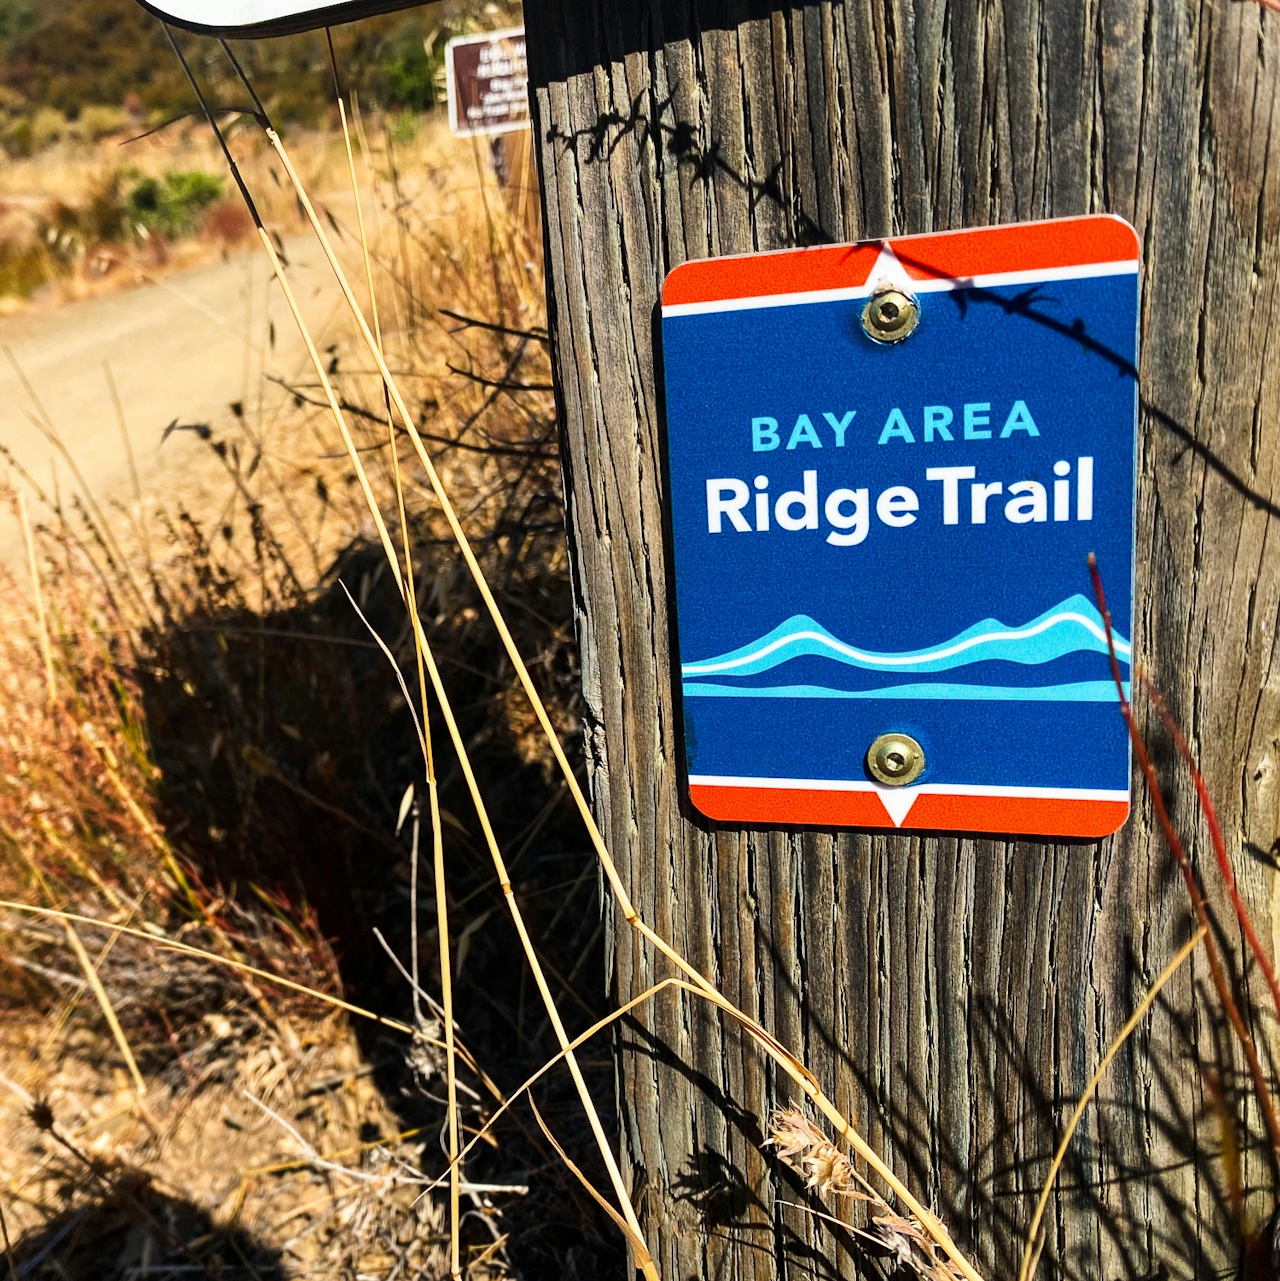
x=952, y=995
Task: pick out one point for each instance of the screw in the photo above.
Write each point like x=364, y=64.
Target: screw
x=895, y=760
x=890, y=316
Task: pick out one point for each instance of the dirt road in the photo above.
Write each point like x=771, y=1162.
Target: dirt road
x=183, y=348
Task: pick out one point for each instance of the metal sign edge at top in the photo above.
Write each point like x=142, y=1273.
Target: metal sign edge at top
x=249, y=19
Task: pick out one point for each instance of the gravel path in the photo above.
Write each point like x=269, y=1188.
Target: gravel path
x=184, y=348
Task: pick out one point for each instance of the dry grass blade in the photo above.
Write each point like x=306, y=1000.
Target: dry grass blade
x=807, y=1149
x=41, y=622
x=242, y=967
x=460, y=748
x=483, y=1134
x=827, y=1171
x=311, y=1156
x=544, y=990
x=108, y=1011
x=428, y=752
x=1033, y=1230
x=460, y=536
x=446, y=993
x=636, y=1241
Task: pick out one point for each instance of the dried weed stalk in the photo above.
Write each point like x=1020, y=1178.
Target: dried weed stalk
x=828, y=1172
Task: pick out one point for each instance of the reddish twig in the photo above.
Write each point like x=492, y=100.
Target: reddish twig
x=1188, y=876
x=1219, y=845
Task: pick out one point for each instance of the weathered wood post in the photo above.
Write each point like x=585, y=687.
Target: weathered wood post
x=953, y=995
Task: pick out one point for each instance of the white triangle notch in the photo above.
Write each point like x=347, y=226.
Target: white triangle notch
x=889, y=272
x=898, y=802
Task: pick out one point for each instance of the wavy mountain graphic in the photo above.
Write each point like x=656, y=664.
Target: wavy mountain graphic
x=1072, y=627
x=1075, y=692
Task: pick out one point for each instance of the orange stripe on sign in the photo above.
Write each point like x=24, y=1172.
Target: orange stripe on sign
x=796, y=271
x=792, y=807
x=1033, y=246
x=954, y=255
x=1023, y=815
x=1006, y=815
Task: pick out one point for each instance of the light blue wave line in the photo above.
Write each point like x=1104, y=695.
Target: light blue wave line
x=800, y=637
x=1077, y=692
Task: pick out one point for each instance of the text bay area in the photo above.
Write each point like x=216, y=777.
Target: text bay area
x=953, y=495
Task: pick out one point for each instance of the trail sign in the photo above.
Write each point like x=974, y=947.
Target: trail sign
x=488, y=83
x=888, y=463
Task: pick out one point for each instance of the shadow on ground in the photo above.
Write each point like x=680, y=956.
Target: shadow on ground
x=286, y=746
x=135, y=1231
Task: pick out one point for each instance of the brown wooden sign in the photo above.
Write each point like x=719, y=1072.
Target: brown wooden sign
x=488, y=82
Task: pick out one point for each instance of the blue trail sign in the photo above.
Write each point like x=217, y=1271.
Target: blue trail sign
x=887, y=466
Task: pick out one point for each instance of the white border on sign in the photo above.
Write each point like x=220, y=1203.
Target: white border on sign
x=940, y=284
x=451, y=92
x=923, y=789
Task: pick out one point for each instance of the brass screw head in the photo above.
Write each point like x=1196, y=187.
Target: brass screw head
x=890, y=316
x=895, y=760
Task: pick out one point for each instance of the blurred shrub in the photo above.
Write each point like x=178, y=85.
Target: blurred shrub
x=402, y=128
x=300, y=102
x=48, y=125
x=96, y=122
x=408, y=70
x=70, y=229
x=172, y=204
x=118, y=208
x=17, y=137
x=23, y=268
x=227, y=221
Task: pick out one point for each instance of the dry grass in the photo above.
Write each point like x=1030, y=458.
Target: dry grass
x=215, y=1179
x=66, y=233
x=223, y=758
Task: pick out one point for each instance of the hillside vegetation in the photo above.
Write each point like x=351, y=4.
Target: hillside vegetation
x=90, y=55
x=107, y=164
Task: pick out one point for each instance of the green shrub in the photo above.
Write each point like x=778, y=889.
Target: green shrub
x=17, y=138
x=403, y=127
x=172, y=204
x=406, y=72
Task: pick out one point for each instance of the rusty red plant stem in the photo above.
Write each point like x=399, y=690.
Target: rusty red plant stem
x=1215, y=834
x=1188, y=876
